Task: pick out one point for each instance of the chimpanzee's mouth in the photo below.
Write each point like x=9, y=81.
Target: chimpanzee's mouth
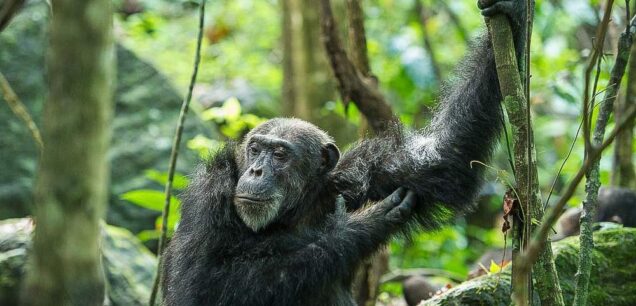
x=251, y=199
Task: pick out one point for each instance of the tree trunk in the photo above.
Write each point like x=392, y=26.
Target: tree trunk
x=296, y=101
x=526, y=169
x=71, y=186
x=307, y=81
x=623, y=174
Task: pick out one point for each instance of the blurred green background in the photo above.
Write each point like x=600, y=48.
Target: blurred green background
x=262, y=59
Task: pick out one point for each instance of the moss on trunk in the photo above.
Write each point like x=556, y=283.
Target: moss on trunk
x=612, y=281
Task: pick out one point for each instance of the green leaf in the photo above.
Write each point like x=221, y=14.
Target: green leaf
x=252, y=120
x=173, y=220
x=203, y=145
x=147, y=235
x=233, y=129
x=230, y=111
x=179, y=181
x=150, y=199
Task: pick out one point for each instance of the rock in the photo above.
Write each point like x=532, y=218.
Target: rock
x=612, y=281
x=128, y=265
x=146, y=111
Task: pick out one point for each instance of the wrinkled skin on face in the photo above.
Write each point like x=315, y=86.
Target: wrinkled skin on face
x=279, y=160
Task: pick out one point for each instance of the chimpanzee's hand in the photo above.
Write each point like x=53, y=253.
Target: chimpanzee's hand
x=514, y=9
x=398, y=206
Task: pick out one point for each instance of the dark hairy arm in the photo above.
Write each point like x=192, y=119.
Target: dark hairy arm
x=321, y=257
x=207, y=223
x=436, y=162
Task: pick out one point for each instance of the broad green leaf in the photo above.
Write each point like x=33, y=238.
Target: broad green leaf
x=203, y=145
x=173, y=220
x=148, y=198
x=233, y=129
x=146, y=235
x=230, y=111
x=179, y=181
x=252, y=120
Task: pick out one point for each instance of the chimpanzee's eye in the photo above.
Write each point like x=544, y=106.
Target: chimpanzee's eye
x=280, y=154
x=254, y=150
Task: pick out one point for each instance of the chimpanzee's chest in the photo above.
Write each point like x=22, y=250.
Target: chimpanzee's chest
x=268, y=274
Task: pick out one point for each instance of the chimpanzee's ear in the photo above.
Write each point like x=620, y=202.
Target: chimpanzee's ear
x=330, y=157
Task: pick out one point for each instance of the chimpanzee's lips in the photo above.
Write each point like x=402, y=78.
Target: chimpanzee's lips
x=251, y=199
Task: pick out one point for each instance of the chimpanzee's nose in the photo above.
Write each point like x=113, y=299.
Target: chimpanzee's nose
x=256, y=171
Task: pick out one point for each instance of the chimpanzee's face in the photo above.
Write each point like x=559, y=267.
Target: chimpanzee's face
x=271, y=174
x=279, y=160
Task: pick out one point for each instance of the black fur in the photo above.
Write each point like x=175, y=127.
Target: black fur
x=214, y=259
x=615, y=204
x=308, y=253
x=436, y=162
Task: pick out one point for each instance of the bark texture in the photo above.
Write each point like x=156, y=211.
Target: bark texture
x=623, y=173
x=71, y=187
x=307, y=81
x=306, y=76
x=525, y=164
x=593, y=182
x=353, y=85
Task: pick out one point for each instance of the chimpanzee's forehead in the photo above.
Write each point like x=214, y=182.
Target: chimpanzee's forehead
x=271, y=141
x=292, y=130
x=293, y=140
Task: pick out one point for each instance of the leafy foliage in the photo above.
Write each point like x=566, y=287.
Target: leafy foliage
x=154, y=200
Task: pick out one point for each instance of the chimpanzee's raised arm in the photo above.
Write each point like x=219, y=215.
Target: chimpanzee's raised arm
x=436, y=162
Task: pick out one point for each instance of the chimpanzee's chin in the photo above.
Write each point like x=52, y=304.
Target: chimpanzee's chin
x=256, y=214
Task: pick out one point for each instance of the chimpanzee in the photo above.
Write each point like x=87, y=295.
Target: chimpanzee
x=417, y=289
x=281, y=219
x=615, y=204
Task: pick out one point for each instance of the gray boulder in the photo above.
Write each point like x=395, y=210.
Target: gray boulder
x=128, y=265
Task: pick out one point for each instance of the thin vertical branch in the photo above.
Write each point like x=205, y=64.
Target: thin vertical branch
x=20, y=110
x=358, y=37
x=422, y=16
x=175, y=152
x=514, y=100
x=596, y=52
x=623, y=173
x=529, y=142
x=593, y=177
